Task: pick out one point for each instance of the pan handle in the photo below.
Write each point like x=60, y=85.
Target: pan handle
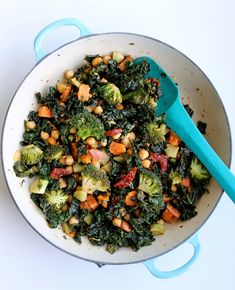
x=40, y=54
x=150, y=264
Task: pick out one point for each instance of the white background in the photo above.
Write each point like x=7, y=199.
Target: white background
x=204, y=31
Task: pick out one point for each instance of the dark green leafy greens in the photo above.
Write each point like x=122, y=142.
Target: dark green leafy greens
x=87, y=199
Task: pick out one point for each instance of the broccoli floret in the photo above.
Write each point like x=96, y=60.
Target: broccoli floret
x=21, y=170
x=154, y=134
x=94, y=179
x=56, y=198
x=149, y=182
x=198, y=171
x=53, y=152
x=110, y=93
x=31, y=154
x=175, y=177
x=87, y=125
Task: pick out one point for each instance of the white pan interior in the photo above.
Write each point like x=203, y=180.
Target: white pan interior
x=193, y=85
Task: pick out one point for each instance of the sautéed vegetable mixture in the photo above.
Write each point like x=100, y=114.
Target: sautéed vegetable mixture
x=103, y=164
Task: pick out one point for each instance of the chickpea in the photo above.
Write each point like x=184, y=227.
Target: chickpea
x=143, y=154
x=103, y=80
x=117, y=136
x=55, y=134
x=91, y=141
x=30, y=125
x=17, y=155
x=61, y=87
x=127, y=217
x=131, y=136
x=173, y=187
x=126, y=142
x=96, y=61
x=69, y=160
x=69, y=169
x=130, y=151
x=44, y=135
x=104, y=142
x=106, y=58
x=69, y=74
x=98, y=110
x=73, y=221
x=146, y=163
x=62, y=183
x=123, y=211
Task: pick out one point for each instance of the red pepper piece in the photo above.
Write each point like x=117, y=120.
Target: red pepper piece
x=112, y=132
x=127, y=179
x=162, y=159
x=58, y=172
x=153, y=80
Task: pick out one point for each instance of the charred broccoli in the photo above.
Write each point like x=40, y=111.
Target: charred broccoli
x=198, y=171
x=94, y=179
x=149, y=182
x=154, y=134
x=21, y=170
x=53, y=152
x=87, y=125
x=56, y=198
x=175, y=177
x=110, y=93
x=31, y=154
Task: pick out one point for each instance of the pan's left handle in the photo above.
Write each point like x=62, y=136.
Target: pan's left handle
x=151, y=265
x=40, y=53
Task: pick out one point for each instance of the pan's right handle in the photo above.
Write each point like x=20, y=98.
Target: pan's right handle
x=40, y=53
x=150, y=264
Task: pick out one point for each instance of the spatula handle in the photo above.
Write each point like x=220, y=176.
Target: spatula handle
x=179, y=121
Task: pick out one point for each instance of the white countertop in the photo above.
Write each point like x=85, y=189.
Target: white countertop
x=204, y=31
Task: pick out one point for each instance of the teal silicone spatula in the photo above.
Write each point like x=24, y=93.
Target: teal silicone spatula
x=179, y=121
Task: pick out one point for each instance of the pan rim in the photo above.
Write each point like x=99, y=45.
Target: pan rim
x=3, y=133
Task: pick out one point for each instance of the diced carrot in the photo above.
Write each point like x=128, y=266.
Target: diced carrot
x=173, y=139
x=83, y=93
x=66, y=92
x=122, y=65
x=185, y=182
x=45, y=112
x=84, y=205
x=117, y=148
x=92, y=202
x=71, y=234
x=129, y=199
x=51, y=141
x=86, y=158
x=170, y=214
x=103, y=199
x=119, y=107
x=74, y=150
x=125, y=226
